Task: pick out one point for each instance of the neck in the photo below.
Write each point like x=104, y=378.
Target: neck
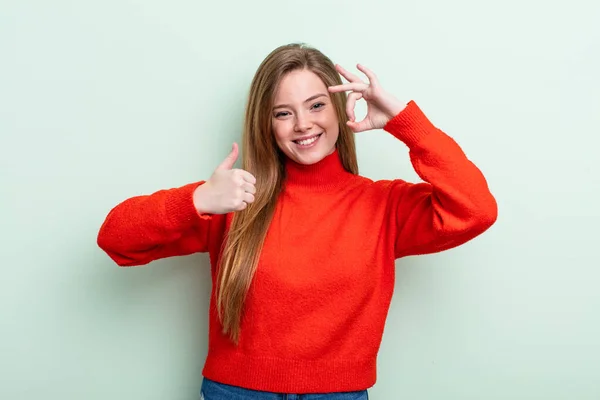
x=329, y=173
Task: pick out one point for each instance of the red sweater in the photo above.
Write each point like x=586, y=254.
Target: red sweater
x=314, y=316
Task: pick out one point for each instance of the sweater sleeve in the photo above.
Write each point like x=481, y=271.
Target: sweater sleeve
x=149, y=227
x=452, y=206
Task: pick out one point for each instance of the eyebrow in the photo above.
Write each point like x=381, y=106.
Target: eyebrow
x=316, y=96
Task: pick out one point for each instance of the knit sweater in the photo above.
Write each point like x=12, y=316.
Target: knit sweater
x=314, y=315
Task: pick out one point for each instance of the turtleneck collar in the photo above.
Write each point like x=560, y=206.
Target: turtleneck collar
x=329, y=173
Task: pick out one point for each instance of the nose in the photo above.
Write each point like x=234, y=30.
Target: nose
x=303, y=123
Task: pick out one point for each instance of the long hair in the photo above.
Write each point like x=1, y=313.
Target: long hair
x=262, y=158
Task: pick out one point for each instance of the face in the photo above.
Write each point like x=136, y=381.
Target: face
x=305, y=123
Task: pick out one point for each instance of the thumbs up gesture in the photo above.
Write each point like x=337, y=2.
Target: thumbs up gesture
x=227, y=190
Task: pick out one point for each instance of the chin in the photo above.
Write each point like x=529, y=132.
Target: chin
x=311, y=158
x=306, y=160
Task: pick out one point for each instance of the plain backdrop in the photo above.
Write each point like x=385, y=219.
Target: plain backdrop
x=104, y=100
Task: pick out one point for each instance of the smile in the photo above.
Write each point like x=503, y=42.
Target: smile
x=308, y=142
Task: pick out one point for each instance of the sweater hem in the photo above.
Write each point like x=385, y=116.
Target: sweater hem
x=292, y=376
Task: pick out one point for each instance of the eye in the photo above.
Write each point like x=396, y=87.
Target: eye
x=318, y=105
x=281, y=114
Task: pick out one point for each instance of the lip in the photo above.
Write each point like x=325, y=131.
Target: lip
x=307, y=137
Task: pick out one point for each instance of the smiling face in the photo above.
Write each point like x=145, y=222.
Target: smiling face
x=305, y=123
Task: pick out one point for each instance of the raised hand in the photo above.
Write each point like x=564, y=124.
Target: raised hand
x=227, y=190
x=381, y=106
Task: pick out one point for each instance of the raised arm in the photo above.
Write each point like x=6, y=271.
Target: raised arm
x=176, y=221
x=452, y=206
x=454, y=203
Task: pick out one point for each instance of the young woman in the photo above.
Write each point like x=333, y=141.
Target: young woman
x=302, y=248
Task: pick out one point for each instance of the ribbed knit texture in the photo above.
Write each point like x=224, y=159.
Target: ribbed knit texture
x=314, y=316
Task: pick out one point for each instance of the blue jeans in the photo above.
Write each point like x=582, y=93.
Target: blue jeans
x=212, y=390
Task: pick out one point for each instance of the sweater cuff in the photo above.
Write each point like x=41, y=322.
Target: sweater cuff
x=179, y=206
x=410, y=125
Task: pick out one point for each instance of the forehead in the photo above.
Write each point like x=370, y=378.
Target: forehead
x=299, y=85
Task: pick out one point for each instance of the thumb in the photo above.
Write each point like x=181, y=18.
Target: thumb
x=358, y=126
x=231, y=158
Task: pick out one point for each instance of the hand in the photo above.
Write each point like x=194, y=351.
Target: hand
x=381, y=106
x=227, y=189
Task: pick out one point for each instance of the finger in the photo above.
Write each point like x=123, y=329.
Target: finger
x=356, y=87
x=348, y=75
x=370, y=74
x=231, y=158
x=351, y=104
x=359, y=126
x=249, y=188
x=242, y=206
x=248, y=198
x=248, y=177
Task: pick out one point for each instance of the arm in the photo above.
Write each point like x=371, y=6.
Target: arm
x=146, y=228
x=177, y=221
x=452, y=206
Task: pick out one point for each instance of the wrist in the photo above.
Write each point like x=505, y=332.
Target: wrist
x=394, y=108
x=410, y=126
x=200, y=199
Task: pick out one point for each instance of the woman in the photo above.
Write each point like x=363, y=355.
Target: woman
x=302, y=248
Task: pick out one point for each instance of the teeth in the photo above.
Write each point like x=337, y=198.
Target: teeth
x=307, y=141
